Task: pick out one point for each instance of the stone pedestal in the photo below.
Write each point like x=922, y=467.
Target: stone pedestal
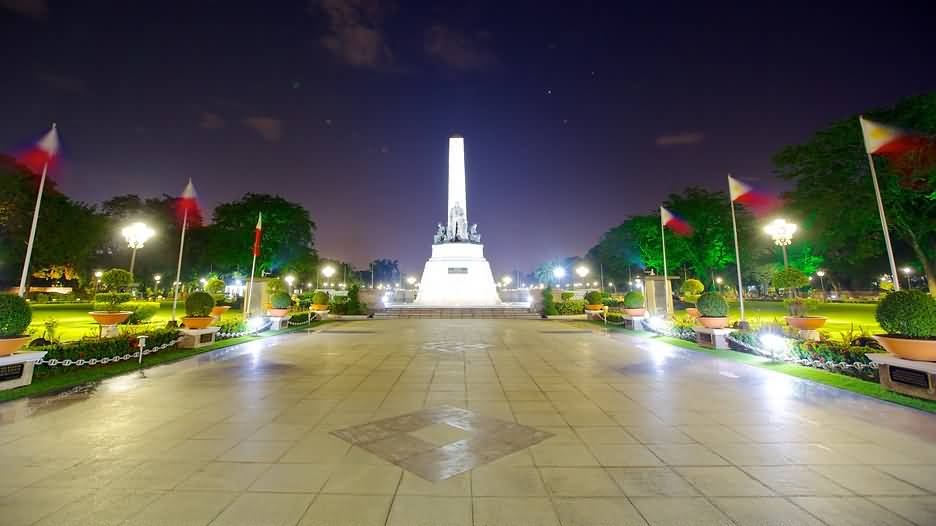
x=712, y=338
x=809, y=334
x=595, y=314
x=109, y=331
x=278, y=322
x=195, y=338
x=659, y=295
x=908, y=377
x=457, y=275
x=320, y=314
x=634, y=323
x=16, y=370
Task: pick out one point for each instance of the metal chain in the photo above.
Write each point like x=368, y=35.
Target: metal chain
x=68, y=362
x=818, y=364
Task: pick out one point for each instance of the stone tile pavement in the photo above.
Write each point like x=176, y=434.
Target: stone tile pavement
x=555, y=426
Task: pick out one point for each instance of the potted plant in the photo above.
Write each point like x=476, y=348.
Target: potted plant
x=319, y=301
x=593, y=301
x=909, y=319
x=215, y=287
x=690, y=290
x=634, y=303
x=713, y=310
x=15, y=317
x=198, y=307
x=107, y=305
x=792, y=279
x=279, y=304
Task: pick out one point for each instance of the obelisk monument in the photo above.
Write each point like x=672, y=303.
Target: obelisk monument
x=457, y=273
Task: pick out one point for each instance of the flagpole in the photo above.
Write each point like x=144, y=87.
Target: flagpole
x=666, y=290
x=249, y=294
x=734, y=226
x=178, y=274
x=32, y=230
x=887, y=240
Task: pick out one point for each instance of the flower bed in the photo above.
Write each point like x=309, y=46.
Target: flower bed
x=96, y=349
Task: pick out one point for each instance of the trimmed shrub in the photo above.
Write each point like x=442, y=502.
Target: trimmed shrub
x=566, y=296
x=571, y=307
x=691, y=289
x=111, y=301
x=106, y=348
x=615, y=317
x=355, y=306
x=712, y=305
x=910, y=313
x=215, y=287
x=142, y=311
x=789, y=278
x=320, y=298
x=15, y=316
x=549, y=304
x=275, y=285
x=593, y=297
x=199, y=304
x=633, y=300
x=116, y=279
x=280, y=300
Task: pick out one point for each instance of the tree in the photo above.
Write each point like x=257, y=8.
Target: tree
x=67, y=233
x=288, y=235
x=834, y=191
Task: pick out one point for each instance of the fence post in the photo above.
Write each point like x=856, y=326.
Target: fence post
x=141, y=339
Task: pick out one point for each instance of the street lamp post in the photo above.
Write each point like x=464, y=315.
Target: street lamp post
x=328, y=271
x=289, y=282
x=506, y=280
x=582, y=271
x=907, y=271
x=558, y=273
x=719, y=281
x=821, y=274
x=136, y=235
x=157, y=278
x=782, y=234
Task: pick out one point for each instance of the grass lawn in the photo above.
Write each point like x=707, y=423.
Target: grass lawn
x=841, y=315
x=841, y=381
x=75, y=323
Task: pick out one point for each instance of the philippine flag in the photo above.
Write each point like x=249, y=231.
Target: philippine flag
x=907, y=151
x=675, y=223
x=257, y=233
x=745, y=194
x=187, y=206
x=43, y=154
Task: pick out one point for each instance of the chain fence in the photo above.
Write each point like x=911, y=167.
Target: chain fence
x=81, y=362
x=858, y=367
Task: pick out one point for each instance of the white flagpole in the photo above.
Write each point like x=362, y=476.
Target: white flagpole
x=32, y=230
x=666, y=290
x=887, y=240
x=734, y=226
x=247, y=297
x=178, y=274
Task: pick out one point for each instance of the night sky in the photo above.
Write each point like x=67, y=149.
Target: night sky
x=574, y=115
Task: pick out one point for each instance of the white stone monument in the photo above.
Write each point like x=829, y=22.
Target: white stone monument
x=457, y=275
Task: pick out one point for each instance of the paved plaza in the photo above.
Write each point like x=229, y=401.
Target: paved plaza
x=460, y=422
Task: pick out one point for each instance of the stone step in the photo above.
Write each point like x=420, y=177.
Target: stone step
x=457, y=313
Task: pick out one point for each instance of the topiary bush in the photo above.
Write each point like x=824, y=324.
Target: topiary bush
x=111, y=301
x=712, y=305
x=789, y=278
x=549, y=303
x=320, y=298
x=633, y=300
x=690, y=290
x=354, y=304
x=566, y=296
x=199, y=304
x=570, y=307
x=910, y=313
x=280, y=300
x=116, y=279
x=214, y=287
x=593, y=297
x=15, y=316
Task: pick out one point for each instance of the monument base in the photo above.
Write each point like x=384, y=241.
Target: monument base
x=457, y=275
x=907, y=377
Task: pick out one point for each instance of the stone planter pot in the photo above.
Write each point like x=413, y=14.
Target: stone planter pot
x=318, y=308
x=809, y=323
x=694, y=312
x=594, y=307
x=635, y=312
x=278, y=313
x=9, y=346
x=197, y=322
x=110, y=318
x=218, y=310
x=908, y=348
x=713, y=322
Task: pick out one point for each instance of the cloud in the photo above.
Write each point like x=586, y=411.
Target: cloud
x=211, y=121
x=680, y=139
x=354, y=34
x=269, y=128
x=458, y=50
x=31, y=8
